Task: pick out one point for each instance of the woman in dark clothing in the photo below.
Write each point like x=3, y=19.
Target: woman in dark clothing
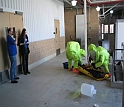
x=23, y=43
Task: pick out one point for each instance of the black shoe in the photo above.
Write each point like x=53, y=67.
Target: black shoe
x=28, y=72
x=14, y=81
x=25, y=73
x=16, y=78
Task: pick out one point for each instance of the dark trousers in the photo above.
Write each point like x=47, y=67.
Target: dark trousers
x=24, y=58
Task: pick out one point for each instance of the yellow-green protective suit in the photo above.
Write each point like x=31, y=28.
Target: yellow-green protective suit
x=74, y=53
x=100, y=56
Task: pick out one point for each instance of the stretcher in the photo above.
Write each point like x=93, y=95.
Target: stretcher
x=97, y=74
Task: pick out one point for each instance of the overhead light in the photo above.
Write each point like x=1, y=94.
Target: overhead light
x=111, y=11
x=73, y=2
x=97, y=8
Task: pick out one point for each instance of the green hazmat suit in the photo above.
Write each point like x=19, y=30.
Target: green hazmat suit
x=100, y=56
x=74, y=53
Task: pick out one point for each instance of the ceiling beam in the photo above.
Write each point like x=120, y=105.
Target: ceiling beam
x=67, y=2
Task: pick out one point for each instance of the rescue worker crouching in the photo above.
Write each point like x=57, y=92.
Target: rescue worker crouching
x=74, y=53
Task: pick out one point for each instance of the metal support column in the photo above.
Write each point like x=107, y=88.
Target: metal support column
x=85, y=27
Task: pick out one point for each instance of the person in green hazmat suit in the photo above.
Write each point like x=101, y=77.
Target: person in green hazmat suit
x=100, y=56
x=74, y=53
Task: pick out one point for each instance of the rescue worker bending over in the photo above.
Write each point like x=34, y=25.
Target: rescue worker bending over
x=100, y=56
x=74, y=53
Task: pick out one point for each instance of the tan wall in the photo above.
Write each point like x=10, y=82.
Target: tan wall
x=44, y=48
x=62, y=43
x=93, y=25
x=70, y=24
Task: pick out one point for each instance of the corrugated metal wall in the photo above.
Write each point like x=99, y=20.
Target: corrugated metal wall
x=38, y=16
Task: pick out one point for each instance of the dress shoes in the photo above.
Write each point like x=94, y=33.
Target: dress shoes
x=14, y=81
x=16, y=78
x=28, y=72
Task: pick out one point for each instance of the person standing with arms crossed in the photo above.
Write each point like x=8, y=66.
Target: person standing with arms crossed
x=11, y=45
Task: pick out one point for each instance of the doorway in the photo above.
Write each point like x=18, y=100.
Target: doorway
x=57, y=36
x=8, y=20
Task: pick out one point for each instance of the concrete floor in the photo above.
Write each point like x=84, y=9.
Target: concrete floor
x=49, y=85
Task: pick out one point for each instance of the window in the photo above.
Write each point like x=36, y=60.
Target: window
x=102, y=36
x=102, y=28
x=111, y=28
x=106, y=28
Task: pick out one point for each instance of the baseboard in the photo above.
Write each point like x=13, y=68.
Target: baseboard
x=63, y=50
x=41, y=61
x=5, y=75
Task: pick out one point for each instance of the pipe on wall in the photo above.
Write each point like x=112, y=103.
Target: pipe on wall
x=95, y=3
x=103, y=2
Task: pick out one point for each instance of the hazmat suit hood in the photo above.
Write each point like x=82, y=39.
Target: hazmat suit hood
x=92, y=47
x=92, y=51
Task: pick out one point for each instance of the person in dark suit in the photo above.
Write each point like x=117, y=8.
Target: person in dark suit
x=23, y=44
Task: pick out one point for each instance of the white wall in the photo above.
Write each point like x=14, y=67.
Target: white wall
x=119, y=37
x=38, y=16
